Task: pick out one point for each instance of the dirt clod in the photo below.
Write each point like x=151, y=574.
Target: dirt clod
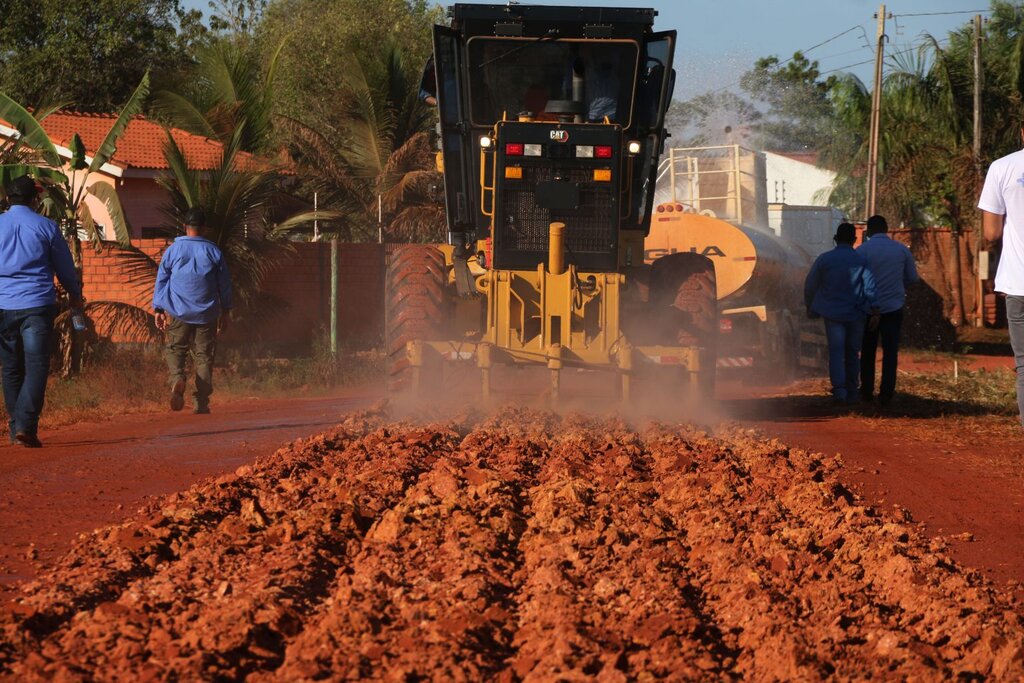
x=518, y=546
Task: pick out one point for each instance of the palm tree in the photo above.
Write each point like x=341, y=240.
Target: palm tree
x=226, y=88
x=369, y=153
x=230, y=99
x=241, y=201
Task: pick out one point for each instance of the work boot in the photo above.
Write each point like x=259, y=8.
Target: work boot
x=178, y=395
x=28, y=440
x=201, y=410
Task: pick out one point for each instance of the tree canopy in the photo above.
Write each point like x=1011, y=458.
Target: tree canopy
x=91, y=53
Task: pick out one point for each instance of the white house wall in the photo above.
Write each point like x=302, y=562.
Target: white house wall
x=790, y=181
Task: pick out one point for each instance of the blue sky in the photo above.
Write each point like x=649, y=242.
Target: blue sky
x=720, y=39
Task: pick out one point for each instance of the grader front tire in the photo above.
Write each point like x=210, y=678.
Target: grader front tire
x=416, y=308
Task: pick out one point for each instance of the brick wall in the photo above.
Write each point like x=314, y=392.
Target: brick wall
x=294, y=305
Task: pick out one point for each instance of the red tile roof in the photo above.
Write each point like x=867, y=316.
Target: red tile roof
x=142, y=144
x=805, y=157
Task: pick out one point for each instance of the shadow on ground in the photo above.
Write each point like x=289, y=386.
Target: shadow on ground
x=804, y=406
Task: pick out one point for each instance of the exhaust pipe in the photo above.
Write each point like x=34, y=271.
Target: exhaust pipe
x=556, y=249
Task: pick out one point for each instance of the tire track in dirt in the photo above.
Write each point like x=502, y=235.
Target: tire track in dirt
x=867, y=595
x=605, y=592
x=281, y=531
x=520, y=546
x=429, y=595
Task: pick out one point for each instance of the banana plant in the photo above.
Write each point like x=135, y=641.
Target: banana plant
x=66, y=181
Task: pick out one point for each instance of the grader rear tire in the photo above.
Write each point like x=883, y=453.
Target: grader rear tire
x=416, y=308
x=684, y=308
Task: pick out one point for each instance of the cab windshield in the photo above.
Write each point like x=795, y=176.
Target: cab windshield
x=546, y=77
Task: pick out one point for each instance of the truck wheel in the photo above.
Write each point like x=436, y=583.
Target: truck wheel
x=684, y=308
x=684, y=301
x=416, y=307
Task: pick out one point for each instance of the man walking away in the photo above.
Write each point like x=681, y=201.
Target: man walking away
x=32, y=250
x=840, y=288
x=893, y=267
x=191, y=301
x=1002, y=205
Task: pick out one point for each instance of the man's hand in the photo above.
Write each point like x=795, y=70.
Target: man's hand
x=161, y=321
x=873, y=321
x=223, y=323
x=77, y=302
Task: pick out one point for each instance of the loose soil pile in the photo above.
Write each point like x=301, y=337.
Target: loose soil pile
x=519, y=546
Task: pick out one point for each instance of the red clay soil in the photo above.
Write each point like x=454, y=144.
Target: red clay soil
x=522, y=546
x=92, y=475
x=961, y=477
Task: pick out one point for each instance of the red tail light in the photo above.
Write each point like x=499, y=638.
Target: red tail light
x=725, y=325
x=603, y=152
x=514, y=149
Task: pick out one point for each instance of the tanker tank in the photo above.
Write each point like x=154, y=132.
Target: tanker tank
x=752, y=266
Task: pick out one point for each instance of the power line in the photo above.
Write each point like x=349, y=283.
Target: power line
x=868, y=61
x=962, y=11
x=803, y=52
x=826, y=42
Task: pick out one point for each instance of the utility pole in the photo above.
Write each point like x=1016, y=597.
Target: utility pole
x=876, y=115
x=334, y=297
x=979, y=240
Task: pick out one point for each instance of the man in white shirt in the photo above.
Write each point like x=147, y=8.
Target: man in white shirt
x=1002, y=206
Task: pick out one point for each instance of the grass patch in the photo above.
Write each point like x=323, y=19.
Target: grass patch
x=973, y=392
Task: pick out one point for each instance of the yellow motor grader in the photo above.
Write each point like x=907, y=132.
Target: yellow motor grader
x=551, y=128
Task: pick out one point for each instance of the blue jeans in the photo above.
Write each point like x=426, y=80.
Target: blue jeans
x=25, y=354
x=1015, y=321
x=844, y=342
x=889, y=325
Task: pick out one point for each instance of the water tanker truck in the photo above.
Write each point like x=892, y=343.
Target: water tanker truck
x=713, y=204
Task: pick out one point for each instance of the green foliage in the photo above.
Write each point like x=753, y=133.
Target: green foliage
x=796, y=99
x=236, y=17
x=226, y=86
x=324, y=35
x=90, y=52
x=369, y=154
x=241, y=202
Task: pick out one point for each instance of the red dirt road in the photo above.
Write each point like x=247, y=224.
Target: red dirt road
x=92, y=475
x=955, y=479
x=963, y=478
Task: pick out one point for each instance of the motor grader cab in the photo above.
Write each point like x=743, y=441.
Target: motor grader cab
x=551, y=127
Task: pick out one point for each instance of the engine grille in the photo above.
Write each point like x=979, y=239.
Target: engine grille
x=590, y=229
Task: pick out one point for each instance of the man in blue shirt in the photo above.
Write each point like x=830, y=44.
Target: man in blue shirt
x=893, y=267
x=841, y=289
x=32, y=250
x=191, y=302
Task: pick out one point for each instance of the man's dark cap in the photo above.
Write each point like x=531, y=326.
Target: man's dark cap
x=846, y=233
x=877, y=224
x=21, y=188
x=195, y=217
